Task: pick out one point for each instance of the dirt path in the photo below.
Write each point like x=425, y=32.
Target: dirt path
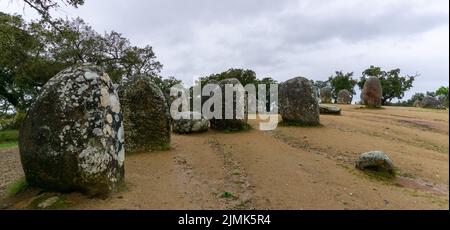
x=291, y=167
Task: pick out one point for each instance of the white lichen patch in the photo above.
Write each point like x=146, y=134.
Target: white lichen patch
x=109, y=118
x=82, y=89
x=98, y=132
x=114, y=103
x=120, y=134
x=93, y=161
x=104, y=98
x=107, y=130
x=105, y=78
x=90, y=75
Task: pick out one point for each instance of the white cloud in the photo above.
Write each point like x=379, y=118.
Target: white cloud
x=281, y=39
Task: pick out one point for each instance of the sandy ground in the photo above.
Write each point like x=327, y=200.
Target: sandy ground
x=289, y=168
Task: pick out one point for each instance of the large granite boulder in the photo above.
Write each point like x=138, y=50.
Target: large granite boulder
x=329, y=110
x=376, y=161
x=146, y=115
x=443, y=99
x=325, y=95
x=190, y=125
x=316, y=93
x=344, y=97
x=372, y=92
x=297, y=102
x=235, y=123
x=72, y=136
x=431, y=103
x=417, y=103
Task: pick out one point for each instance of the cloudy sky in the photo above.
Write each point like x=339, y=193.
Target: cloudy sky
x=281, y=39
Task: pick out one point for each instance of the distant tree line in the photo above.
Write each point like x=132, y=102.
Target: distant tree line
x=394, y=85
x=33, y=52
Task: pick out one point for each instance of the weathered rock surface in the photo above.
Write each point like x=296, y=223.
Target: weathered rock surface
x=72, y=136
x=297, y=102
x=190, y=125
x=417, y=103
x=375, y=160
x=372, y=92
x=236, y=122
x=330, y=110
x=325, y=95
x=316, y=93
x=146, y=115
x=344, y=97
x=430, y=103
x=48, y=202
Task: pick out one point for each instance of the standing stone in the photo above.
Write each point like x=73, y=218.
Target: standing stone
x=146, y=115
x=325, y=95
x=316, y=92
x=372, y=92
x=190, y=125
x=431, y=103
x=72, y=136
x=298, y=104
x=236, y=123
x=417, y=103
x=443, y=99
x=344, y=97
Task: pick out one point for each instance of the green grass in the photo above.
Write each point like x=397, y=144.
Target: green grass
x=227, y=195
x=16, y=187
x=380, y=175
x=8, y=145
x=9, y=138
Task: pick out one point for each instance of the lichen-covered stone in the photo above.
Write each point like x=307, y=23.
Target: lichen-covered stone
x=330, y=110
x=431, y=103
x=72, y=136
x=325, y=95
x=417, y=103
x=297, y=102
x=146, y=115
x=235, y=123
x=372, y=92
x=190, y=125
x=375, y=160
x=344, y=97
x=316, y=93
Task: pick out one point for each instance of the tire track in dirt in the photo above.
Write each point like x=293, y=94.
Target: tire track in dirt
x=389, y=134
x=199, y=187
x=284, y=177
x=303, y=144
x=348, y=162
x=209, y=176
x=235, y=179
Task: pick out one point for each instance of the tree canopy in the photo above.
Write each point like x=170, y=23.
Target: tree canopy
x=43, y=7
x=32, y=53
x=394, y=85
x=341, y=81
